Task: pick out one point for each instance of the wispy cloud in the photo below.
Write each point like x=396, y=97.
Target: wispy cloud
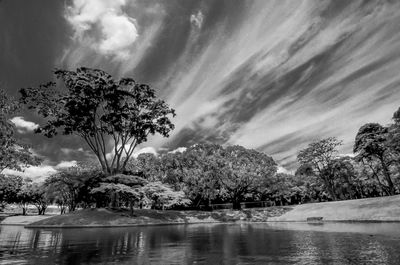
x=197, y=19
x=270, y=75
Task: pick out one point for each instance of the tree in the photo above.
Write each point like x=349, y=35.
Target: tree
x=71, y=186
x=372, y=144
x=13, y=153
x=100, y=110
x=125, y=193
x=244, y=171
x=148, y=166
x=9, y=188
x=163, y=196
x=24, y=196
x=317, y=159
x=121, y=187
x=37, y=193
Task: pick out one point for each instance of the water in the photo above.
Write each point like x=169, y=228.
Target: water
x=272, y=243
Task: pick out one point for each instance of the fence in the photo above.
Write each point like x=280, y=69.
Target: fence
x=259, y=204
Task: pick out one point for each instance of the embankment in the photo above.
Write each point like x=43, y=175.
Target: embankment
x=114, y=218
x=381, y=209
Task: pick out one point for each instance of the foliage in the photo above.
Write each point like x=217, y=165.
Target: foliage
x=161, y=195
x=71, y=187
x=120, y=188
x=100, y=109
x=9, y=188
x=372, y=145
x=37, y=193
x=244, y=171
x=318, y=159
x=24, y=195
x=13, y=153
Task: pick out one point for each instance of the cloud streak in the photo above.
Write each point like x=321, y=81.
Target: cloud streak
x=269, y=75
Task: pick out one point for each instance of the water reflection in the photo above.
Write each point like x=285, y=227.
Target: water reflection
x=274, y=243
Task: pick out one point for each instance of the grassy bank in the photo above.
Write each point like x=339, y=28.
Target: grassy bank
x=371, y=209
x=111, y=217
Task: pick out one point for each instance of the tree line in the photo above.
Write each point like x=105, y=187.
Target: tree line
x=113, y=117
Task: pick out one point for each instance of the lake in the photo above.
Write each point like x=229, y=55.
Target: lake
x=272, y=243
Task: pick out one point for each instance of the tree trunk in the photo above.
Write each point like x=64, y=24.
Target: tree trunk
x=131, y=207
x=387, y=177
x=330, y=188
x=236, y=204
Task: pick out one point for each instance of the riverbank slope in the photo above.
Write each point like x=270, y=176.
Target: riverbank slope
x=102, y=217
x=381, y=209
x=371, y=210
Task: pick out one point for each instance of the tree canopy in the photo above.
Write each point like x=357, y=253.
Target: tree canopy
x=91, y=104
x=13, y=153
x=318, y=158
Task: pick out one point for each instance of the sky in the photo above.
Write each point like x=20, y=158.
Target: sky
x=269, y=75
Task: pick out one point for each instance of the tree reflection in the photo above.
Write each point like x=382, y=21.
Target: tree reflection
x=204, y=244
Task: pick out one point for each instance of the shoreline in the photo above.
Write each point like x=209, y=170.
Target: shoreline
x=370, y=210
x=195, y=223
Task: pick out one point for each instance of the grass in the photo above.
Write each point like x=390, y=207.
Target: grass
x=121, y=217
x=370, y=209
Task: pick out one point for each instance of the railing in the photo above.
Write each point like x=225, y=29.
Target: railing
x=259, y=204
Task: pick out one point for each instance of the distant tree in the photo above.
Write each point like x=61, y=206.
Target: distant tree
x=71, y=187
x=318, y=158
x=148, y=166
x=163, y=196
x=197, y=168
x=9, y=188
x=282, y=189
x=24, y=196
x=100, y=110
x=245, y=171
x=38, y=197
x=121, y=188
x=13, y=153
x=124, y=192
x=372, y=145
x=345, y=178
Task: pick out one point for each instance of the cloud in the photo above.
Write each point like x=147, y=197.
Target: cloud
x=64, y=164
x=24, y=126
x=197, y=19
x=270, y=75
x=135, y=153
x=178, y=150
x=36, y=173
x=103, y=26
x=68, y=151
x=145, y=150
x=283, y=170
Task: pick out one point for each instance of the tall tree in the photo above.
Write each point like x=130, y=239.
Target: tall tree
x=91, y=104
x=13, y=153
x=245, y=171
x=317, y=159
x=372, y=144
